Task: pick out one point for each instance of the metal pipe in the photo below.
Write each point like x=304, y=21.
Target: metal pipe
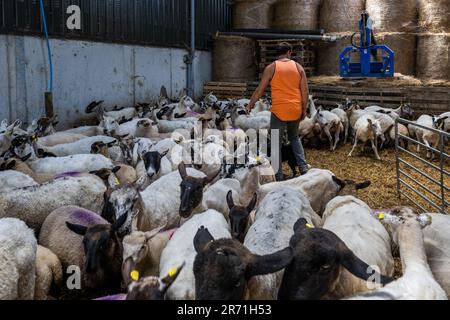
x=191, y=78
x=310, y=32
x=258, y=35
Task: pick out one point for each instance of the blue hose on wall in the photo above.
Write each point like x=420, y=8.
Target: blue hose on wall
x=44, y=22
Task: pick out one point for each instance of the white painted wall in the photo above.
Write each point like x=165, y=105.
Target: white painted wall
x=84, y=71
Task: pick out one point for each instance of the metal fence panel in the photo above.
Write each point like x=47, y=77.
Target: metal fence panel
x=418, y=188
x=144, y=22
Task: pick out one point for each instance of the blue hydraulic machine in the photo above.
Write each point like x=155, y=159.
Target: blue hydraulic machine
x=371, y=63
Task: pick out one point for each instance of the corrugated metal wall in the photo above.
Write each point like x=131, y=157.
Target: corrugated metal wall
x=144, y=22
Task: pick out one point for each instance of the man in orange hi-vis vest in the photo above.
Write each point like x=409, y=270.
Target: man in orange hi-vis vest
x=289, y=102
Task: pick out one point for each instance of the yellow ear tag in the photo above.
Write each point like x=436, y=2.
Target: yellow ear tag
x=134, y=275
x=309, y=226
x=33, y=138
x=381, y=216
x=116, y=181
x=172, y=272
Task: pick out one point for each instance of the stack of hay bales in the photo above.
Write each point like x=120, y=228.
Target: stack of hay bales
x=433, y=61
x=395, y=24
x=337, y=17
x=252, y=14
x=234, y=59
x=296, y=14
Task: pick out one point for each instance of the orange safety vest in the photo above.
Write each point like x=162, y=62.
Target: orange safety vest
x=286, y=93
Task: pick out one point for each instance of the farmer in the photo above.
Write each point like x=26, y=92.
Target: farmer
x=289, y=101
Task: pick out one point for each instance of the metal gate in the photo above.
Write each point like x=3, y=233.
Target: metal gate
x=424, y=183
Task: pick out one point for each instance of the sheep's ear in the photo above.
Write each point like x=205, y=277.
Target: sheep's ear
x=252, y=203
x=28, y=156
x=339, y=182
x=119, y=222
x=116, y=169
x=77, y=228
x=164, y=153
x=270, y=263
x=171, y=277
x=230, y=201
x=300, y=225
x=363, y=185
x=10, y=165
x=202, y=238
x=182, y=170
x=357, y=267
x=163, y=92
x=150, y=234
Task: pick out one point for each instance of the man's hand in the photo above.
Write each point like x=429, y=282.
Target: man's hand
x=249, y=107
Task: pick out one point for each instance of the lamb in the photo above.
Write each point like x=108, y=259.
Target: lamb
x=34, y=204
x=318, y=257
x=367, y=128
x=82, y=238
x=344, y=120
x=417, y=282
x=82, y=146
x=330, y=123
x=223, y=267
x=428, y=137
x=48, y=271
x=142, y=252
x=351, y=220
x=11, y=179
x=271, y=231
x=18, y=247
x=182, y=248
x=161, y=200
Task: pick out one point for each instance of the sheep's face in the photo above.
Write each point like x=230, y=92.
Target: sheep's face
x=152, y=288
x=45, y=126
x=22, y=147
x=152, y=162
x=187, y=101
x=407, y=112
x=135, y=249
x=191, y=195
x=127, y=146
x=223, y=267
x=100, y=243
x=211, y=99
x=122, y=203
x=110, y=125
x=318, y=256
x=239, y=216
x=350, y=187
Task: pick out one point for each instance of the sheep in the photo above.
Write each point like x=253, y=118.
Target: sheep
x=153, y=166
x=223, y=267
x=21, y=166
x=417, y=281
x=404, y=111
x=82, y=238
x=43, y=126
x=136, y=128
x=182, y=248
x=308, y=127
x=7, y=133
x=436, y=239
x=125, y=113
x=48, y=271
x=82, y=146
x=429, y=138
x=34, y=204
x=11, y=179
x=330, y=123
x=142, y=252
x=161, y=200
x=271, y=231
x=402, y=130
x=344, y=120
x=88, y=131
x=386, y=124
x=169, y=126
x=18, y=247
x=318, y=186
x=182, y=107
x=241, y=217
x=446, y=118
x=241, y=120
x=318, y=257
x=351, y=220
x=367, y=128
x=74, y=163
x=260, y=106
x=60, y=138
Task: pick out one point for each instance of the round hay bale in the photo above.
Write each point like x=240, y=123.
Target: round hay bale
x=393, y=15
x=404, y=47
x=433, y=61
x=296, y=14
x=434, y=15
x=234, y=59
x=341, y=15
x=328, y=55
x=252, y=14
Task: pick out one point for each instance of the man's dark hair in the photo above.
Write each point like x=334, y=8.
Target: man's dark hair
x=283, y=48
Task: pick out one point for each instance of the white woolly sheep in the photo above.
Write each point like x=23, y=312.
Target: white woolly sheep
x=48, y=271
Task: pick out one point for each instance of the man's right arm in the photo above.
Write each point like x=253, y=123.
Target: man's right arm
x=265, y=81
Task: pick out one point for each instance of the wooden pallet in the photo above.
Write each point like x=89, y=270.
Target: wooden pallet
x=225, y=90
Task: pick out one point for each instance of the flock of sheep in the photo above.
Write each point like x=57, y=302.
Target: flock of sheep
x=169, y=202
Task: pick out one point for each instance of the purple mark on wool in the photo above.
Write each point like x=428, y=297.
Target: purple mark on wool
x=86, y=218
x=68, y=174
x=115, y=297
x=192, y=114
